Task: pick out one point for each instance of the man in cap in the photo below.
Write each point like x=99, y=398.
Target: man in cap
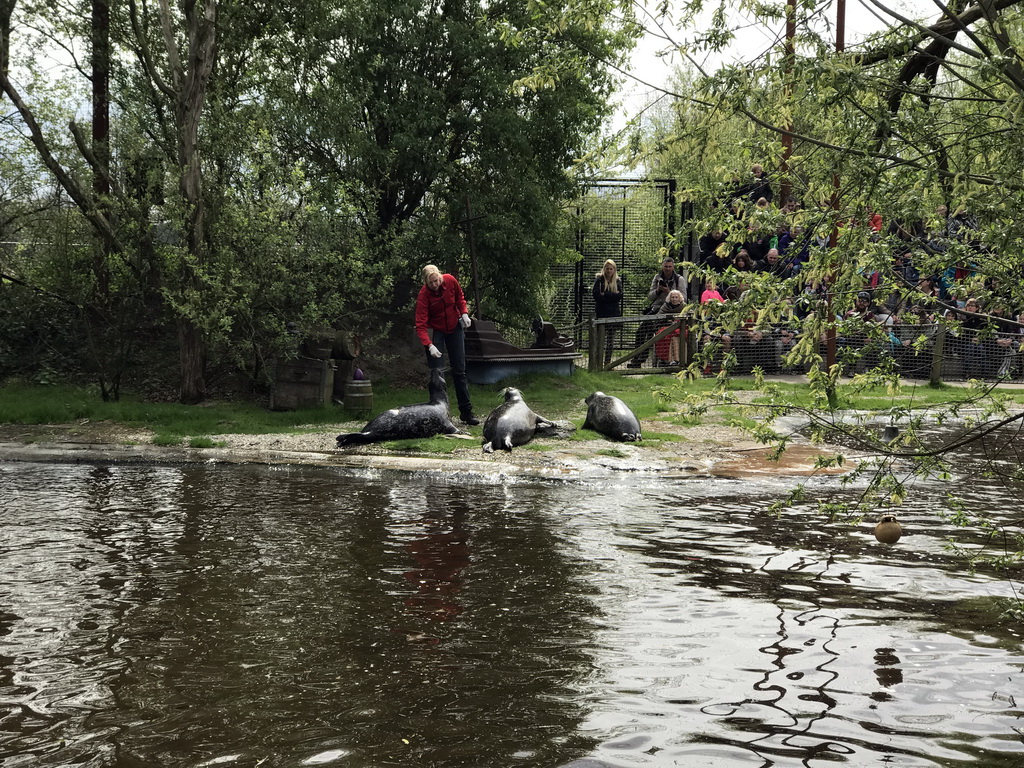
x=665, y=281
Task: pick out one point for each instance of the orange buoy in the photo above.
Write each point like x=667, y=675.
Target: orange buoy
x=888, y=530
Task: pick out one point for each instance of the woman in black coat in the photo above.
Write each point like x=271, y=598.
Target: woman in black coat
x=608, y=302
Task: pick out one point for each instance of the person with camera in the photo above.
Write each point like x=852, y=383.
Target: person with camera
x=665, y=281
x=441, y=319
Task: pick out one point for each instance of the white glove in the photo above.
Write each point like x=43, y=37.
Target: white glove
x=465, y=320
x=434, y=351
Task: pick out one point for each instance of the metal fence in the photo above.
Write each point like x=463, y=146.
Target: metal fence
x=630, y=221
x=634, y=222
x=927, y=352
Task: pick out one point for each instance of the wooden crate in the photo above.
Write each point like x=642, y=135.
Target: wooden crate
x=304, y=382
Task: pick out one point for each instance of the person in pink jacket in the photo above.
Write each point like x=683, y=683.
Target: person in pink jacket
x=441, y=320
x=710, y=293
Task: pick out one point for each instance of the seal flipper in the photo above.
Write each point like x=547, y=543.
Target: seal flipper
x=353, y=438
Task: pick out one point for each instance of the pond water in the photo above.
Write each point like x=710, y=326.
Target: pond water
x=261, y=616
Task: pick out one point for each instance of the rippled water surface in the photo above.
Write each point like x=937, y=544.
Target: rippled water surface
x=226, y=616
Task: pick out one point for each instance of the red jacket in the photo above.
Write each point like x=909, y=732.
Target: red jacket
x=440, y=309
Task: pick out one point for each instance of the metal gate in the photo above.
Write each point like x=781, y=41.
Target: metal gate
x=629, y=221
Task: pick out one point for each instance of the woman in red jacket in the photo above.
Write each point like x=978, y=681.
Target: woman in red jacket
x=441, y=320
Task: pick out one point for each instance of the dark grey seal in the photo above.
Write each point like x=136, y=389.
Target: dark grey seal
x=511, y=423
x=408, y=421
x=611, y=417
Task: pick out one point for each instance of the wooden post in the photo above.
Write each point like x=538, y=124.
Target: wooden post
x=592, y=364
x=938, y=351
x=673, y=322
x=833, y=240
x=599, y=342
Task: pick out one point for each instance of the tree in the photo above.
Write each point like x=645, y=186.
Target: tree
x=370, y=129
x=921, y=115
x=168, y=205
x=416, y=108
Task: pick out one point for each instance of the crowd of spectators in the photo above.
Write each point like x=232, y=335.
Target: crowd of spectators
x=894, y=313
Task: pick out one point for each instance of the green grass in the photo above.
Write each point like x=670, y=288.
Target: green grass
x=652, y=438
x=204, y=442
x=438, y=444
x=21, y=404
x=854, y=398
x=554, y=397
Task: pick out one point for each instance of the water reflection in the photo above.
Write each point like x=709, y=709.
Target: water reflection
x=274, y=616
x=440, y=552
x=166, y=616
x=722, y=579
x=887, y=672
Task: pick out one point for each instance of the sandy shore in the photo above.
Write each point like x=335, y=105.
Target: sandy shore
x=717, y=450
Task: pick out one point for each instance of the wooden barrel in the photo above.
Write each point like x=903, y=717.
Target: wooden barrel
x=359, y=396
x=346, y=346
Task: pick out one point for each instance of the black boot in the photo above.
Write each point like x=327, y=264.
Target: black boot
x=469, y=419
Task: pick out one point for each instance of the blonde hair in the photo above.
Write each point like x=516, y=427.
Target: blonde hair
x=609, y=285
x=674, y=293
x=429, y=270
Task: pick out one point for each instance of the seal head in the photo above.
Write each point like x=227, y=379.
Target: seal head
x=511, y=423
x=612, y=418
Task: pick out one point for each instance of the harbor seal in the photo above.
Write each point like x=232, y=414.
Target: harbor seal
x=611, y=417
x=511, y=423
x=408, y=421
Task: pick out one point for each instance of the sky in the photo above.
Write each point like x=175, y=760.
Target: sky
x=648, y=69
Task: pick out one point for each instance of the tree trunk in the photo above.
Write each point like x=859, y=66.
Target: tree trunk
x=6, y=12
x=190, y=79
x=101, y=140
x=192, y=358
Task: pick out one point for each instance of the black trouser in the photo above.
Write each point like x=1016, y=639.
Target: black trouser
x=610, y=332
x=644, y=332
x=454, y=343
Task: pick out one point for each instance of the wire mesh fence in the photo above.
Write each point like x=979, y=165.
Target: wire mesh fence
x=631, y=222
x=914, y=351
x=634, y=222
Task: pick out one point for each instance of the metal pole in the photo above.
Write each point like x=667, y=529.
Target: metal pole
x=787, y=135
x=938, y=351
x=830, y=334
x=477, y=311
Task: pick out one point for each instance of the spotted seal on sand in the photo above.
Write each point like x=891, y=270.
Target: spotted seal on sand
x=611, y=417
x=408, y=421
x=511, y=423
